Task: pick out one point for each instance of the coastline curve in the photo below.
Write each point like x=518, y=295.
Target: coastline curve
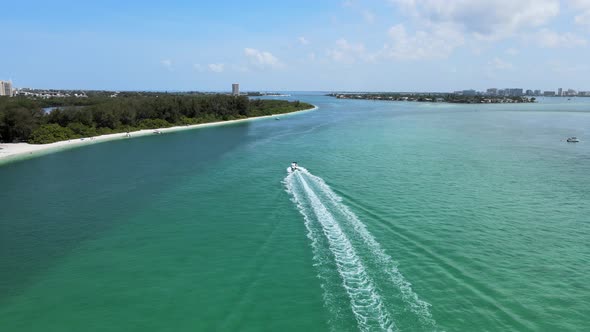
x=11, y=152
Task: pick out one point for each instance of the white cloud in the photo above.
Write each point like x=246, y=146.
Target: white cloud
x=551, y=39
x=347, y=52
x=216, y=67
x=347, y=3
x=262, y=59
x=369, y=16
x=512, y=51
x=437, y=43
x=302, y=40
x=500, y=64
x=582, y=7
x=476, y=50
x=212, y=67
x=167, y=63
x=583, y=18
x=483, y=18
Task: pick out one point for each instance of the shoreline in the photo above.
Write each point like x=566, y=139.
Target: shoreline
x=19, y=151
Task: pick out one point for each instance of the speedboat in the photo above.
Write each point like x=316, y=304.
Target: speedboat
x=573, y=140
x=294, y=166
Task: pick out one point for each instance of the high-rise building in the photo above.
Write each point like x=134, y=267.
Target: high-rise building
x=6, y=88
x=537, y=92
x=235, y=89
x=560, y=92
x=513, y=92
x=492, y=92
x=529, y=92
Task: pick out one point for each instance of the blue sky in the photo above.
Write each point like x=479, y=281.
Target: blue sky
x=372, y=45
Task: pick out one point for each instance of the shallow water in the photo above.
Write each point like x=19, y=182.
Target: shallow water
x=409, y=216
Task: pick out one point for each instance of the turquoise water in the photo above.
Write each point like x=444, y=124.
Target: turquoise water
x=407, y=216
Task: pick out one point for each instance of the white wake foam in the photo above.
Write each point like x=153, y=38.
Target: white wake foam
x=318, y=203
x=419, y=307
x=366, y=303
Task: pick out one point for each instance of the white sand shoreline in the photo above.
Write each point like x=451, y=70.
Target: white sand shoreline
x=17, y=151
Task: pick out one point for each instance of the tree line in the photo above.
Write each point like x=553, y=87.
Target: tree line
x=434, y=97
x=24, y=119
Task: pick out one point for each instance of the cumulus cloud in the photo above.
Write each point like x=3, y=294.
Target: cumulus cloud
x=216, y=67
x=500, y=64
x=347, y=3
x=512, y=51
x=347, y=52
x=167, y=63
x=262, y=59
x=484, y=18
x=551, y=39
x=369, y=16
x=583, y=18
x=302, y=40
x=582, y=7
x=212, y=67
x=438, y=42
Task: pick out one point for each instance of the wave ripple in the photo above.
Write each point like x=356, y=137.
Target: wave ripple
x=324, y=213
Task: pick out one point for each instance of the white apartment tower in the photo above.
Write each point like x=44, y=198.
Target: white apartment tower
x=6, y=88
x=235, y=89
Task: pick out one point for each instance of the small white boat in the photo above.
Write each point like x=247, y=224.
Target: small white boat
x=157, y=132
x=294, y=166
x=573, y=140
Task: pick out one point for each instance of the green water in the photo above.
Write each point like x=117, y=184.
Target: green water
x=407, y=216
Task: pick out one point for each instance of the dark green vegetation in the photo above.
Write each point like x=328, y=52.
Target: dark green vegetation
x=260, y=94
x=434, y=97
x=23, y=119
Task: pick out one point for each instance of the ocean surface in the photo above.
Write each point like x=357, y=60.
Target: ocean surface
x=405, y=216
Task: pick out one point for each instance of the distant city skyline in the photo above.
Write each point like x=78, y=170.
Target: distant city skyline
x=235, y=90
x=374, y=45
x=515, y=92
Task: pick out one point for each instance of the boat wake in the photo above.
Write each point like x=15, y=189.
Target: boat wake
x=350, y=260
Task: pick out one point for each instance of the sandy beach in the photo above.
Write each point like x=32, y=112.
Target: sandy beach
x=15, y=151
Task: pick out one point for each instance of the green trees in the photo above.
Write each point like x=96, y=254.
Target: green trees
x=434, y=97
x=23, y=119
x=82, y=130
x=50, y=133
x=268, y=107
x=154, y=123
x=16, y=124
